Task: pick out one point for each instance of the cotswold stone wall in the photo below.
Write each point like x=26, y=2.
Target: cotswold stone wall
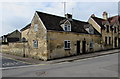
x=56, y=43
x=15, y=48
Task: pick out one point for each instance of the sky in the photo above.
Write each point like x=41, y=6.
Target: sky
x=16, y=15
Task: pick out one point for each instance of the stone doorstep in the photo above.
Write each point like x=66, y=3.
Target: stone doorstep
x=67, y=59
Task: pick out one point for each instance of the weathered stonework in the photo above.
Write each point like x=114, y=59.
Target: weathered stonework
x=40, y=35
x=56, y=43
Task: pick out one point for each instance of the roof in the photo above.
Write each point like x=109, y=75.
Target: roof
x=26, y=27
x=10, y=33
x=111, y=20
x=114, y=19
x=53, y=22
x=99, y=21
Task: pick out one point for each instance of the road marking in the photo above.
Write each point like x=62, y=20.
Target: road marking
x=17, y=60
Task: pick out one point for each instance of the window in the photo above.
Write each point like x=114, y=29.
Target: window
x=107, y=28
x=115, y=30
x=35, y=44
x=91, y=45
x=66, y=44
x=67, y=27
x=36, y=27
x=105, y=40
x=109, y=40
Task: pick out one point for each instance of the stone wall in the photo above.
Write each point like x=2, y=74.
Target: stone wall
x=15, y=48
x=40, y=36
x=56, y=43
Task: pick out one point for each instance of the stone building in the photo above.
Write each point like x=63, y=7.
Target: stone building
x=24, y=31
x=109, y=28
x=50, y=36
x=14, y=36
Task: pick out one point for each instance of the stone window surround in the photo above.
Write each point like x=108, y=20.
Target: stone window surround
x=67, y=44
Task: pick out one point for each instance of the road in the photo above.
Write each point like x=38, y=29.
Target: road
x=102, y=66
x=10, y=62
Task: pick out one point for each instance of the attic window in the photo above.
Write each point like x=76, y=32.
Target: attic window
x=67, y=27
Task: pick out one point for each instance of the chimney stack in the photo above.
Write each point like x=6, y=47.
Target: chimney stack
x=93, y=15
x=68, y=16
x=105, y=15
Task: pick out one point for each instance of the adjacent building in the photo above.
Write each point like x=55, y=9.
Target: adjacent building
x=109, y=28
x=14, y=36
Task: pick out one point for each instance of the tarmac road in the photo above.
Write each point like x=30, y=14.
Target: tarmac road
x=9, y=62
x=101, y=66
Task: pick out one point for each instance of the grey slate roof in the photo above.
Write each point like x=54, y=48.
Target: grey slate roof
x=52, y=22
x=26, y=27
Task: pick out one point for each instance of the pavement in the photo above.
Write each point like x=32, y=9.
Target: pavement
x=31, y=61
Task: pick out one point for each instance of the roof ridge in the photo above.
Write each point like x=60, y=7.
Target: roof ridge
x=50, y=14
x=60, y=16
x=98, y=18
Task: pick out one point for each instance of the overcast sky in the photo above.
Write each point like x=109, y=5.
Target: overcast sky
x=15, y=15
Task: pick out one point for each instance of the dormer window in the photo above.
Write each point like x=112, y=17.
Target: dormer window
x=67, y=27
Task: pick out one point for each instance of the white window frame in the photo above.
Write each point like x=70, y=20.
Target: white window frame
x=36, y=27
x=35, y=43
x=68, y=44
x=68, y=26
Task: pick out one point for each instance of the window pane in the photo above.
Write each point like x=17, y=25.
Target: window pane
x=36, y=27
x=65, y=28
x=66, y=44
x=68, y=28
x=35, y=44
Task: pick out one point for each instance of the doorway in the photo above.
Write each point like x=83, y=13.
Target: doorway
x=83, y=46
x=115, y=41
x=119, y=42
x=78, y=47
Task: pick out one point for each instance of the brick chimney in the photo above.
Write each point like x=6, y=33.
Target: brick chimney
x=105, y=15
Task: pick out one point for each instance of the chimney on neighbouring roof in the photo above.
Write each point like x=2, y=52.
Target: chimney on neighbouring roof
x=68, y=16
x=93, y=15
x=105, y=15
